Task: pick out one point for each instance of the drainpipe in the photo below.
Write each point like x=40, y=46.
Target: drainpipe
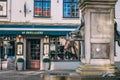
x=10, y=9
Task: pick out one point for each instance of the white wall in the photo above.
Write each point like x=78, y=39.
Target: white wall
x=117, y=9
x=56, y=13
x=117, y=14
x=17, y=11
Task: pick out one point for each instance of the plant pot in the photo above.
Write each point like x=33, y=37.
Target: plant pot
x=4, y=65
x=46, y=66
x=47, y=63
x=19, y=65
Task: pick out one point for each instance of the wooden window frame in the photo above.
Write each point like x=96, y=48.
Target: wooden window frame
x=71, y=3
x=42, y=2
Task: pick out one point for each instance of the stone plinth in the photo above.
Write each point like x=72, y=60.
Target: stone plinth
x=98, y=17
x=74, y=76
x=95, y=70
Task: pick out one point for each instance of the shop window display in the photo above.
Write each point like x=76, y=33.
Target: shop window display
x=7, y=49
x=63, y=50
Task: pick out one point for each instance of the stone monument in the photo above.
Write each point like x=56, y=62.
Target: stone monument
x=98, y=57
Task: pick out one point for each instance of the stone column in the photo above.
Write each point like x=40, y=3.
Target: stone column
x=98, y=17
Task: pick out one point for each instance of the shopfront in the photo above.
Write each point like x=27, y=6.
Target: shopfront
x=34, y=43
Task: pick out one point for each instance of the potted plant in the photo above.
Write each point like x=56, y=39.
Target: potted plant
x=20, y=63
x=47, y=63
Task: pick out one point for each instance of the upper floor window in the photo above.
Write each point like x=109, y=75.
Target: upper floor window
x=70, y=9
x=3, y=8
x=42, y=8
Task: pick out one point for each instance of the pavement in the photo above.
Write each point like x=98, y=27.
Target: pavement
x=20, y=75
x=41, y=75
x=27, y=74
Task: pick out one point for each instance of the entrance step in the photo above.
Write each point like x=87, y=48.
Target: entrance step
x=93, y=70
x=73, y=76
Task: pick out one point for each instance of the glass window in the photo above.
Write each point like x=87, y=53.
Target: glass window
x=7, y=49
x=34, y=49
x=70, y=9
x=42, y=8
x=62, y=50
x=3, y=8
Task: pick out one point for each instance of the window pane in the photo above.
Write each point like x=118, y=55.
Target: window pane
x=70, y=0
x=42, y=8
x=46, y=9
x=62, y=50
x=71, y=8
x=75, y=0
x=46, y=0
x=67, y=0
x=38, y=0
x=38, y=9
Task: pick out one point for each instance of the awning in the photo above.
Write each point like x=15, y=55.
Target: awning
x=36, y=29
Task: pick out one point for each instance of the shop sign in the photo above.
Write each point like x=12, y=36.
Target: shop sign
x=32, y=32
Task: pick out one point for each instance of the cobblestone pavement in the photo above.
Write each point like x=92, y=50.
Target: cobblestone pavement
x=36, y=75
x=20, y=75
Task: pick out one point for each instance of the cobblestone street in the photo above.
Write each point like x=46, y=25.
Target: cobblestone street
x=38, y=75
x=20, y=75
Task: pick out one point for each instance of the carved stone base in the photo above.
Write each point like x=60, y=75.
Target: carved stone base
x=95, y=70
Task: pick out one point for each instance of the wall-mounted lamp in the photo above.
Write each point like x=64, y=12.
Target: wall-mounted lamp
x=46, y=36
x=46, y=39
x=20, y=38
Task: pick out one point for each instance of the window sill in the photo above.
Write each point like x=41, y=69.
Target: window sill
x=42, y=17
x=46, y=18
x=64, y=18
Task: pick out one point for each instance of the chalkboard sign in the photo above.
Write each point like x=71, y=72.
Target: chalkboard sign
x=11, y=63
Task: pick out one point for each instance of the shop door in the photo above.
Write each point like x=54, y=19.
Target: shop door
x=33, y=54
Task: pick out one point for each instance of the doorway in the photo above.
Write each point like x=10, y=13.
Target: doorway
x=33, y=54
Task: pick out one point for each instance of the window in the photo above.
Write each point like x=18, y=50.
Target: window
x=3, y=8
x=62, y=50
x=42, y=8
x=70, y=9
x=7, y=49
